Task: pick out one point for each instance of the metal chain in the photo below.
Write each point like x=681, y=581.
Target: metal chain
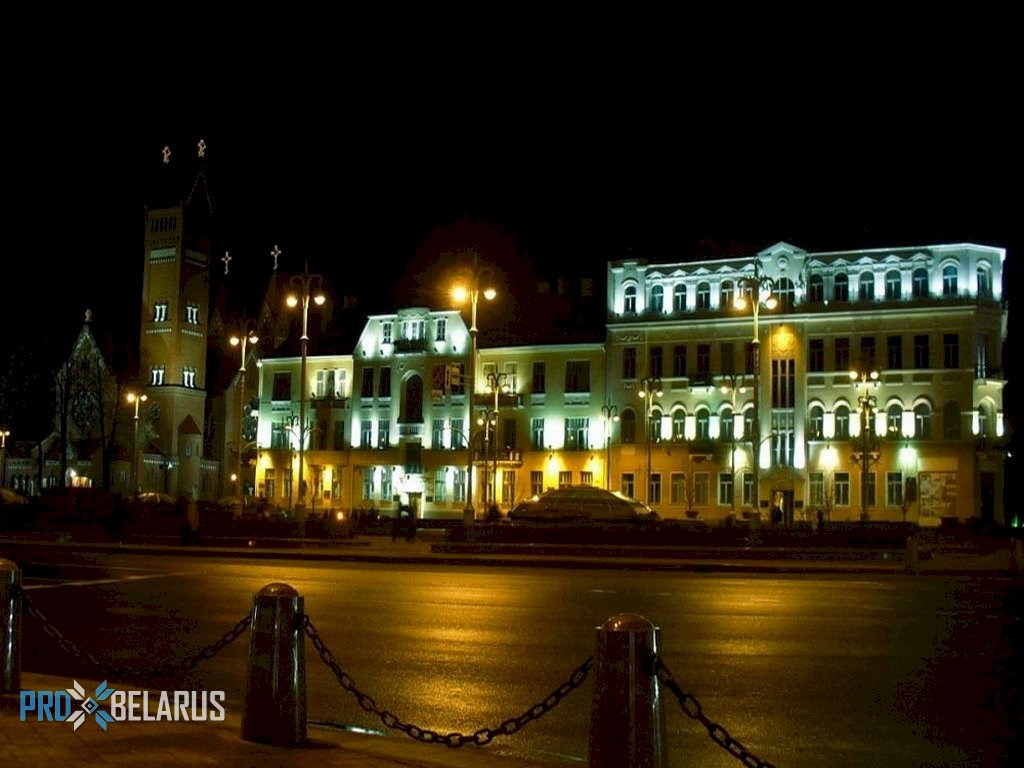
x=481, y=738
x=692, y=708
x=183, y=665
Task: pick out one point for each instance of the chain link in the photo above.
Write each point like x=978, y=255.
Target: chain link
x=481, y=737
x=183, y=665
x=692, y=709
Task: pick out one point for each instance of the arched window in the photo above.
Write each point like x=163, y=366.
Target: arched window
x=816, y=423
x=678, y=424
x=984, y=282
x=951, y=425
x=867, y=286
x=725, y=296
x=703, y=421
x=842, y=414
x=919, y=283
x=841, y=287
x=657, y=299
x=748, y=422
x=893, y=289
x=679, y=298
x=627, y=427
x=629, y=300
x=413, y=401
x=949, y=284
x=894, y=420
x=725, y=420
x=923, y=421
x=785, y=292
x=816, y=289
x=654, y=426
x=704, y=296
x=986, y=424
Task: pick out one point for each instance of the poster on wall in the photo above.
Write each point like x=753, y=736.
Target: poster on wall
x=937, y=493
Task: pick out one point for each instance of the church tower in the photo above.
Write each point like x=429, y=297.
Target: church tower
x=173, y=340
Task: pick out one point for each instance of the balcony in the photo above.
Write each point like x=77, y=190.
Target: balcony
x=411, y=345
x=505, y=400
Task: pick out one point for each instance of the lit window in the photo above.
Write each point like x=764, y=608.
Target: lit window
x=156, y=375
x=160, y=312
x=385, y=333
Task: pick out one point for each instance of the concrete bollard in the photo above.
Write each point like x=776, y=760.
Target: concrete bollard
x=275, y=680
x=913, y=565
x=10, y=627
x=627, y=729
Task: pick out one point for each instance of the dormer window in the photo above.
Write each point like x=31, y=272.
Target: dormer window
x=441, y=326
x=385, y=333
x=413, y=330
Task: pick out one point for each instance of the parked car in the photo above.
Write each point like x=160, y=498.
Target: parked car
x=577, y=503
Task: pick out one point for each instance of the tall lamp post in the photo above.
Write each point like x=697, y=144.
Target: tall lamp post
x=242, y=340
x=305, y=287
x=735, y=384
x=135, y=400
x=756, y=290
x=471, y=292
x=868, y=406
x=4, y=434
x=488, y=419
x=650, y=388
x=496, y=383
x=609, y=414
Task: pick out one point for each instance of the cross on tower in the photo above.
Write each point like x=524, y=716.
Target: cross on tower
x=202, y=148
x=275, y=253
x=167, y=154
x=226, y=258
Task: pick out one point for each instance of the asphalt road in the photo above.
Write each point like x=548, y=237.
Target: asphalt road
x=804, y=670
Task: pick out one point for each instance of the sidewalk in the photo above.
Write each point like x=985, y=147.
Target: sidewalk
x=34, y=744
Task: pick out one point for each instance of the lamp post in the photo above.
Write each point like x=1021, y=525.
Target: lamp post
x=4, y=434
x=305, y=286
x=609, y=414
x=650, y=388
x=496, y=383
x=136, y=400
x=242, y=340
x=735, y=384
x=757, y=290
x=488, y=420
x=471, y=292
x=868, y=406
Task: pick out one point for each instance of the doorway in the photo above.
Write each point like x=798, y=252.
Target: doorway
x=781, y=512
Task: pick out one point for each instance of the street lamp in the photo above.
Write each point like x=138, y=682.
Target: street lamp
x=757, y=290
x=868, y=406
x=136, y=400
x=488, y=419
x=650, y=388
x=242, y=340
x=4, y=434
x=471, y=292
x=306, y=286
x=609, y=413
x=735, y=383
x=496, y=383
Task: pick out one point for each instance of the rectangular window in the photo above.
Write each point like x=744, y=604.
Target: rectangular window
x=288, y=486
x=679, y=360
x=367, y=484
x=783, y=383
x=725, y=489
x=703, y=363
x=654, y=489
x=366, y=433
x=587, y=477
x=817, y=489
x=657, y=361
x=564, y=478
x=950, y=350
x=508, y=431
x=867, y=352
x=842, y=355
x=385, y=483
x=441, y=329
x=629, y=363
x=869, y=488
x=278, y=435
x=440, y=485
x=271, y=487
x=458, y=438
x=383, y=433
x=385, y=333
x=437, y=433
x=894, y=352
x=783, y=437
x=577, y=376
x=748, y=489
x=537, y=434
x=457, y=378
x=458, y=484
x=728, y=351
x=677, y=489
x=577, y=434
x=339, y=435
x=627, y=485
x=282, y=386
x=701, y=489
x=536, y=483
x=508, y=487
x=539, y=379
x=921, y=351
x=816, y=356
x=385, y=382
x=894, y=489
x=841, y=489
x=366, y=390
x=160, y=312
